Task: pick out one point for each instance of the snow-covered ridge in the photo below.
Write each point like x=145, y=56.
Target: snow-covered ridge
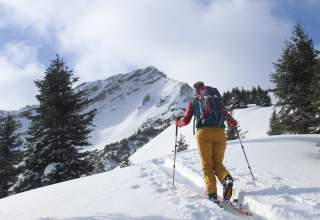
x=125, y=101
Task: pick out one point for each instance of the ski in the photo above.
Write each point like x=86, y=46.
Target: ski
x=234, y=207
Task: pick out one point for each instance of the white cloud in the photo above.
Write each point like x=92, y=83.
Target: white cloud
x=225, y=43
x=16, y=94
x=41, y=16
x=17, y=59
x=18, y=69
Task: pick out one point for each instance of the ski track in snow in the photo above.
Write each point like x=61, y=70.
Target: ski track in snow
x=275, y=201
x=184, y=194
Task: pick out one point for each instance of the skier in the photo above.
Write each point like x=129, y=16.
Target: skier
x=210, y=115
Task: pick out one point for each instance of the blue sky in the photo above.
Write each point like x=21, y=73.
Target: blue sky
x=305, y=12
x=225, y=43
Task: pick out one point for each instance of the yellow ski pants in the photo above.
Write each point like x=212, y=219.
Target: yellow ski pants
x=212, y=145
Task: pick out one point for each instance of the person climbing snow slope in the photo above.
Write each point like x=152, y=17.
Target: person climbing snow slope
x=210, y=115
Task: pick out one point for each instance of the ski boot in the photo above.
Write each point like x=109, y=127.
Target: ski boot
x=227, y=187
x=214, y=198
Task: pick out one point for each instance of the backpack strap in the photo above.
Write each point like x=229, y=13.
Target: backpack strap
x=197, y=111
x=194, y=125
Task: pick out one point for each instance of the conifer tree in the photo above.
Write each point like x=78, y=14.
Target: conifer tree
x=60, y=128
x=9, y=142
x=238, y=99
x=254, y=95
x=125, y=162
x=263, y=99
x=9, y=138
x=181, y=143
x=226, y=99
x=275, y=125
x=315, y=128
x=231, y=134
x=293, y=76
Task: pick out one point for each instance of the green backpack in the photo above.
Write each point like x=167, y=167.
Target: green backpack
x=208, y=109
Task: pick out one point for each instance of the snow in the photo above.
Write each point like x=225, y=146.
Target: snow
x=51, y=168
x=138, y=192
x=285, y=167
x=113, y=121
x=254, y=120
x=286, y=185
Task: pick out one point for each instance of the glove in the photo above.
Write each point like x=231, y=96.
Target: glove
x=177, y=118
x=232, y=122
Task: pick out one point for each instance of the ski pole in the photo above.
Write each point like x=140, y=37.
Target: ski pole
x=245, y=155
x=175, y=153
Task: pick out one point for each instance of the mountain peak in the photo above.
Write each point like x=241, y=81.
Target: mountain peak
x=149, y=72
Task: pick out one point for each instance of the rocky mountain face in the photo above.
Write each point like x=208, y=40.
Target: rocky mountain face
x=131, y=108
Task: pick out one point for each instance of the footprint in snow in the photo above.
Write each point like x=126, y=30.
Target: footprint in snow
x=161, y=190
x=158, y=161
x=143, y=175
x=143, y=172
x=135, y=186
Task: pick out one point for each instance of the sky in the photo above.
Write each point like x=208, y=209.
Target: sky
x=225, y=43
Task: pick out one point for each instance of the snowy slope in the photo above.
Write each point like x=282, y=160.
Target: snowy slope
x=144, y=191
x=285, y=166
x=254, y=120
x=286, y=186
x=138, y=192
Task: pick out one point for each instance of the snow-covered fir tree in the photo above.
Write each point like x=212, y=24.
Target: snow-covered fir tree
x=125, y=163
x=181, y=143
x=293, y=77
x=231, y=133
x=253, y=95
x=275, y=125
x=316, y=99
x=262, y=98
x=58, y=131
x=241, y=98
x=9, y=142
x=117, y=152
